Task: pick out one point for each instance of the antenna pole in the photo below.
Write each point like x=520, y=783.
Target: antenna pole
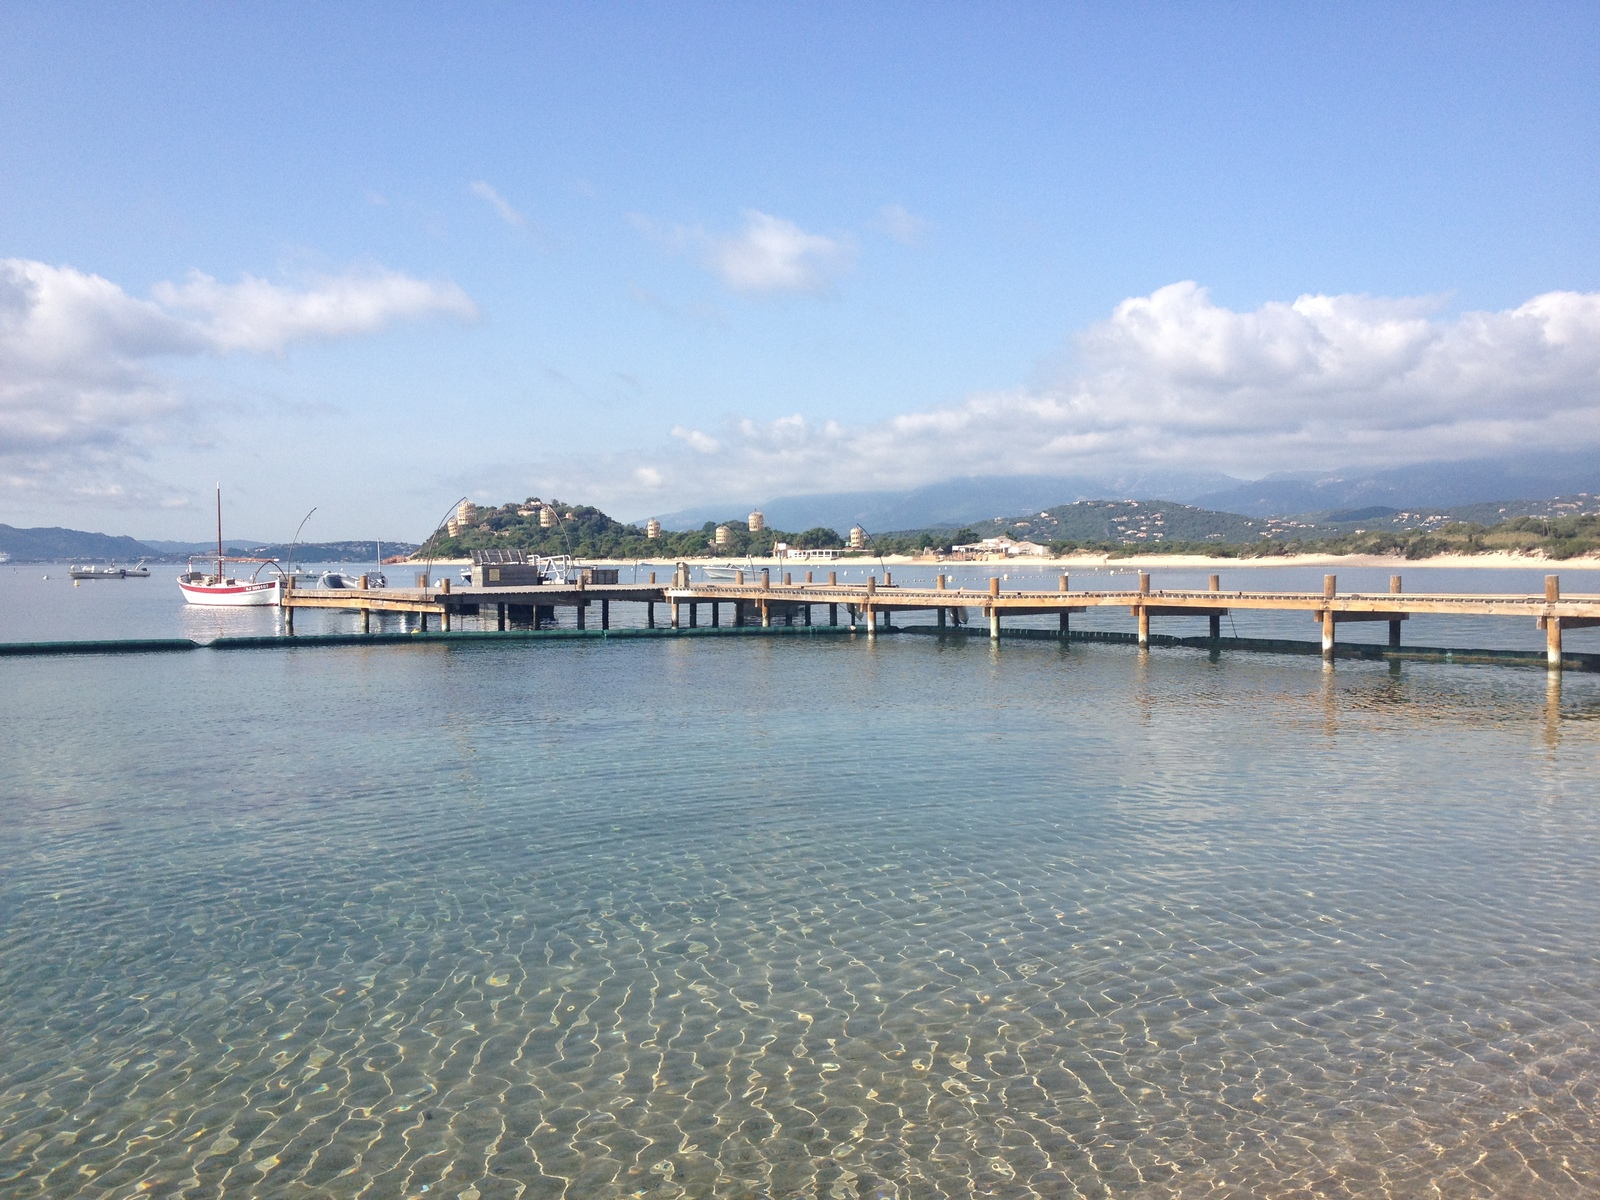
x=219, y=532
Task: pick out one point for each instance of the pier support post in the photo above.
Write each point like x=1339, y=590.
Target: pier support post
x=500, y=617
x=366, y=620
x=716, y=614
x=738, y=614
x=1214, y=584
x=833, y=614
x=675, y=614
x=872, y=616
x=766, y=615
x=1552, y=624
x=288, y=620
x=806, y=609
x=833, y=579
x=1330, y=587
x=766, y=579
x=1143, y=611
x=649, y=614
x=422, y=622
x=941, y=617
x=1066, y=624
x=582, y=607
x=605, y=614
x=1394, y=626
x=994, y=610
x=694, y=614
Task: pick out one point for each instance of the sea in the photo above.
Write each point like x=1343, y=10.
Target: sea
x=795, y=916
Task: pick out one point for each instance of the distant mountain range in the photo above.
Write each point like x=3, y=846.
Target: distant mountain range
x=1432, y=484
x=49, y=545
x=58, y=545
x=980, y=498
x=952, y=502
x=1137, y=521
x=1484, y=490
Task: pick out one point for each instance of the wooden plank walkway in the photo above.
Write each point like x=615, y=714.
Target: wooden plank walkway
x=765, y=600
x=1551, y=611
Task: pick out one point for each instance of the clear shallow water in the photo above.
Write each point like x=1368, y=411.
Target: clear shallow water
x=39, y=609
x=796, y=918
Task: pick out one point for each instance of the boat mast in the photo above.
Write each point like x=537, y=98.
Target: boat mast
x=219, y=531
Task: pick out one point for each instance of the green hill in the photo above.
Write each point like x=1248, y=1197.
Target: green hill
x=585, y=532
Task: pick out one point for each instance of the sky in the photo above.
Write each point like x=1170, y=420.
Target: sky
x=373, y=258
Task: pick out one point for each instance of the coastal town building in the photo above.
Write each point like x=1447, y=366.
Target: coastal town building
x=1002, y=546
x=464, y=518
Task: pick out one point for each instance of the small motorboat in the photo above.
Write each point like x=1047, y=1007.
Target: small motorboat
x=728, y=572
x=343, y=579
x=96, y=571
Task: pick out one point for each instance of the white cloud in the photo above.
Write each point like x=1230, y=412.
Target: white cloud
x=903, y=226
x=262, y=318
x=702, y=442
x=486, y=191
x=81, y=384
x=1174, y=380
x=771, y=254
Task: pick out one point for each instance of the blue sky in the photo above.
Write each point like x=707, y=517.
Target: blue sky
x=375, y=257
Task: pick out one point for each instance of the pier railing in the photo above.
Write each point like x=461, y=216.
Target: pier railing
x=764, y=600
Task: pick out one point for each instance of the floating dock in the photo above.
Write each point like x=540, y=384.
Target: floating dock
x=767, y=601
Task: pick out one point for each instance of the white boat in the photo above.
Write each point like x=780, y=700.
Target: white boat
x=217, y=588
x=344, y=579
x=727, y=572
x=220, y=590
x=95, y=571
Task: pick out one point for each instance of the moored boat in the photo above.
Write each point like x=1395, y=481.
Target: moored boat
x=218, y=588
x=96, y=571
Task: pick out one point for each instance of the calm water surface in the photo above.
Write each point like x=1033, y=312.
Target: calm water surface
x=786, y=918
x=37, y=608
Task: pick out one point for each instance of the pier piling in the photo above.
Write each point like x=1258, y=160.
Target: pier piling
x=1144, y=611
x=1330, y=587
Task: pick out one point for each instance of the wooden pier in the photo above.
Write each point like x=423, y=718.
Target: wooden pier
x=764, y=600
